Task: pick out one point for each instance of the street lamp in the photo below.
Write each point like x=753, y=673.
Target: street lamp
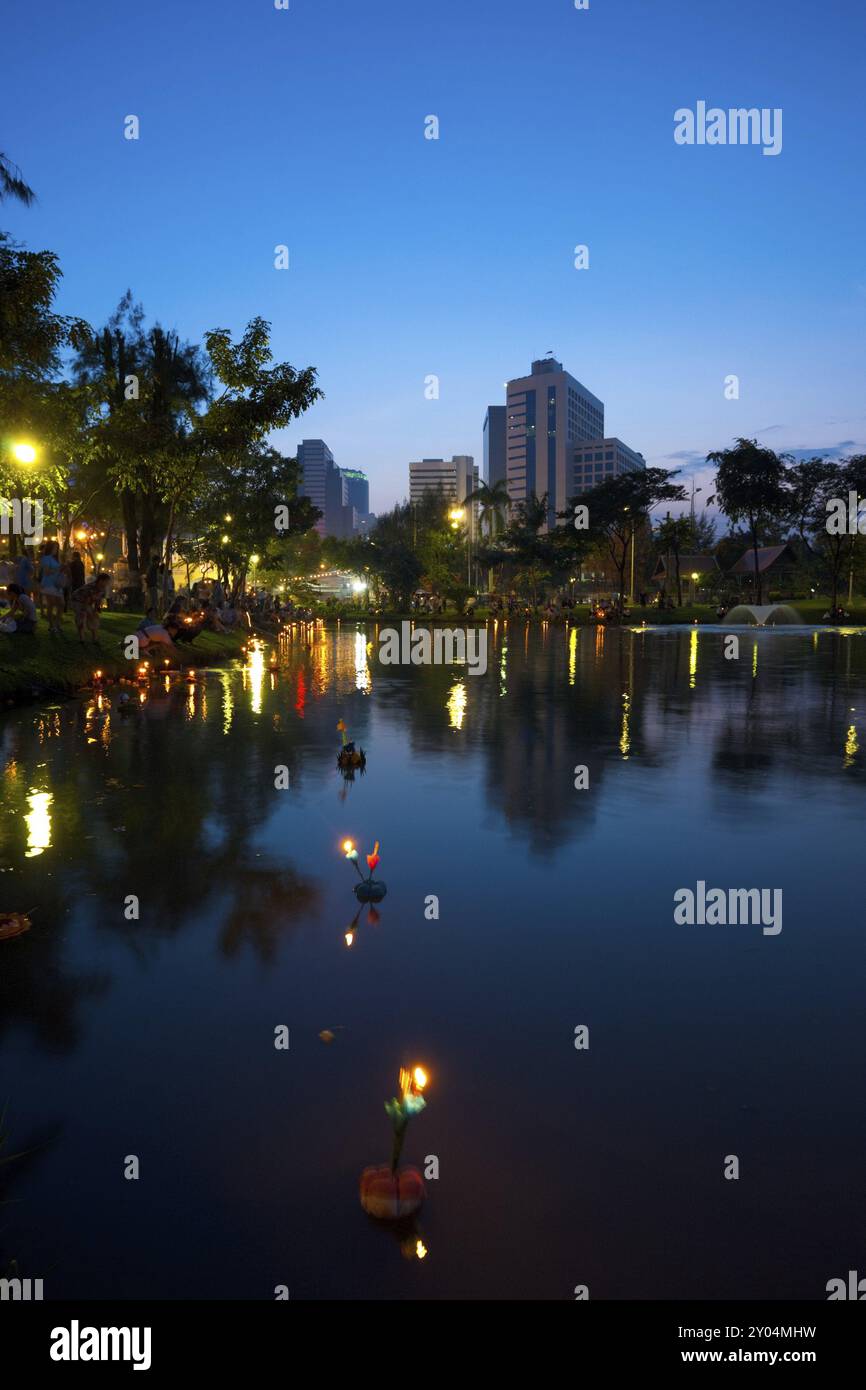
x=22, y=452
x=457, y=518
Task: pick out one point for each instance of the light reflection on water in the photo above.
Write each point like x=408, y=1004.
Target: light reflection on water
x=555, y=909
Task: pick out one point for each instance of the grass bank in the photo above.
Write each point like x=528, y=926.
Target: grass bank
x=39, y=665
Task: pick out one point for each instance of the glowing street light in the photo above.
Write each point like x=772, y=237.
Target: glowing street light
x=22, y=452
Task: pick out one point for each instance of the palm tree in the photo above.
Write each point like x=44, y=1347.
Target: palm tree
x=492, y=505
x=11, y=183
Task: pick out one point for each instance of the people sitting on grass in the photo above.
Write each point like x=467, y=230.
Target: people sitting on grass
x=21, y=617
x=151, y=634
x=86, y=603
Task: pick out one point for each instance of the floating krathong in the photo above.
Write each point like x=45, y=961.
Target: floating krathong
x=370, y=889
x=393, y=1193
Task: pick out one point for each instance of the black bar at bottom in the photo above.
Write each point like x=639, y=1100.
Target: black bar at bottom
x=164, y=1339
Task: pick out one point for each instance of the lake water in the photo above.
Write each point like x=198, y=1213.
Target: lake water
x=558, y=1167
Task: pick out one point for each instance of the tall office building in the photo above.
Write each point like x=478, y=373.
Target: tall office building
x=321, y=482
x=597, y=459
x=342, y=495
x=495, y=464
x=357, y=489
x=455, y=478
x=548, y=413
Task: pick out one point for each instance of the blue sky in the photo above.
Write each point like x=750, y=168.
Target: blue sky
x=410, y=257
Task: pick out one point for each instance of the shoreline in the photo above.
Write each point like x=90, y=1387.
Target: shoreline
x=39, y=666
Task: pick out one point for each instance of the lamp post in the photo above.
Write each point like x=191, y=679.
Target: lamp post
x=695, y=491
x=457, y=516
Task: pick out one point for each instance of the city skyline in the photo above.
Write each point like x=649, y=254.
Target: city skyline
x=379, y=299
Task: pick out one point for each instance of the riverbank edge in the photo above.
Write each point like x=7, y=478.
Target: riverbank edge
x=39, y=666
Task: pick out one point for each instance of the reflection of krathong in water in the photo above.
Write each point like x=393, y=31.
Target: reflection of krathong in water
x=350, y=935
x=392, y=1193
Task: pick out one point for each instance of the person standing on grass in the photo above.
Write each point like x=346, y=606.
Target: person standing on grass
x=51, y=586
x=24, y=572
x=85, y=605
x=151, y=581
x=75, y=577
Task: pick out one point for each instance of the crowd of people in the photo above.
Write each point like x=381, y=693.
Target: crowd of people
x=47, y=584
x=44, y=585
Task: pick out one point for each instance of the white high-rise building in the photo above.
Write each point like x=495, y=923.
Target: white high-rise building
x=455, y=478
x=547, y=414
x=597, y=459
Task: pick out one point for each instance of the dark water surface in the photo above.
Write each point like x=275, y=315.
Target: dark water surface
x=558, y=1167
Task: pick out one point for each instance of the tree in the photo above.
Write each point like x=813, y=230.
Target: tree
x=703, y=537
x=750, y=485
x=234, y=516
x=671, y=535
x=12, y=184
x=390, y=554
x=617, y=507
x=832, y=547
x=33, y=338
x=144, y=388
x=492, y=506
x=806, y=487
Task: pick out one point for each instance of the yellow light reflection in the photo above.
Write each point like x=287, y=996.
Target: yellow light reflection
x=257, y=678
x=693, y=658
x=755, y=660
x=625, y=735
x=38, y=823
x=852, y=747
x=457, y=705
x=228, y=700
x=503, y=671
x=362, y=670
x=572, y=655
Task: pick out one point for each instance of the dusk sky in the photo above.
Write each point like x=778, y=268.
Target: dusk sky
x=410, y=257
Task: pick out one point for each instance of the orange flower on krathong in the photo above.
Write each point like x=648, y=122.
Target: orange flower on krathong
x=373, y=859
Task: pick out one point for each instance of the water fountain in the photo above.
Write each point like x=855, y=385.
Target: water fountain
x=761, y=615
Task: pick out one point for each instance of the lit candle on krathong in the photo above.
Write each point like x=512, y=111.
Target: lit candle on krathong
x=391, y=1193
x=370, y=889
x=401, y=1109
